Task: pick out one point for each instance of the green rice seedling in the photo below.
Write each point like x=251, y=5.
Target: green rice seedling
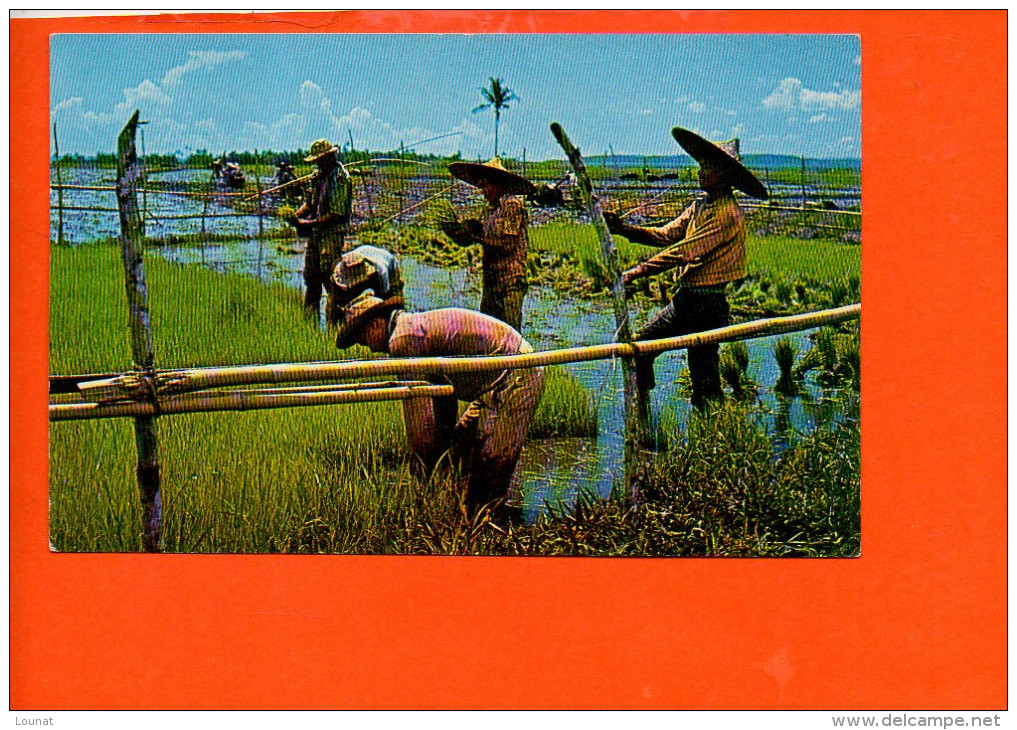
x=734, y=369
x=785, y=352
x=851, y=360
x=440, y=212
x=566, y=408
x=825, y=343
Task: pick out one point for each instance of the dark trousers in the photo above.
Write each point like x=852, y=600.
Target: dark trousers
x=505, y=304
x=691, y=310
x=318, y=267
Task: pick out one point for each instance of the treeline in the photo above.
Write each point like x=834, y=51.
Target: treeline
x=202, y=158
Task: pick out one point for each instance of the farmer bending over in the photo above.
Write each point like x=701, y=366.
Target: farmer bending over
x=323, y=218
x=503, y=236
x=365, y=268
x=491, y=431
x=707, y=245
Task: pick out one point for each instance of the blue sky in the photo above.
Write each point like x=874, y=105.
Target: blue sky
x=791, y=94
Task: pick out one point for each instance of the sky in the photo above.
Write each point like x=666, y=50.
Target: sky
x=780, y=94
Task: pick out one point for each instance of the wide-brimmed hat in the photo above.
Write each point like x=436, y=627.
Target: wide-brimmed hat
x=320, y=148
x=359, y=312
x=352, y=269
x=723, y=155
x=494, y=171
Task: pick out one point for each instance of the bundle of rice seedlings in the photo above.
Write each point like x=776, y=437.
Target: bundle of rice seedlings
x=440, y=212
x=785, y=351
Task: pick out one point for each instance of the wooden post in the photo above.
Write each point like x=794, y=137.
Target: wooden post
x=802, y=183
x=524, y=162
x=60, y=189
x=144, y=182
x=139, y=322
x=402, y=178
x=261, y=220
x=367, y=187
x=636, y=407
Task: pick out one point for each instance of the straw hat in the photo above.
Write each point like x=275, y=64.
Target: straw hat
x=320, y=148
x=723, y=155
x=495, y=172
x=360, y=311
x=351, y=270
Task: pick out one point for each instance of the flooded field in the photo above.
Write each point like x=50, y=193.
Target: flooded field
x=554, y=470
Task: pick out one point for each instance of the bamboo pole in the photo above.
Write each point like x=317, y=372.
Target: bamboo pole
x=60, y=194
x=417, y=205
x=192, y=379
x=245, y=400
x=131, y=233
x=636, y=399
x=833, y=211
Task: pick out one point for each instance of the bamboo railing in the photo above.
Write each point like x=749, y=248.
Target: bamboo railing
x=164, y=383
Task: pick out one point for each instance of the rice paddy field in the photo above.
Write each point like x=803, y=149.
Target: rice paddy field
x=774, y=472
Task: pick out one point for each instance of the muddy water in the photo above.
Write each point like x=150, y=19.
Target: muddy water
x=554, y=470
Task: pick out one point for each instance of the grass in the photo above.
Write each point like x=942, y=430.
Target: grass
x=333, y=479
x=723, y=489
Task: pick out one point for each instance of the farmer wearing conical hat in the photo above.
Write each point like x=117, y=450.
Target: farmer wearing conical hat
x=489, y=435
x=706, y=243
x=365, y=268
x=503, y=236
x=324, y=218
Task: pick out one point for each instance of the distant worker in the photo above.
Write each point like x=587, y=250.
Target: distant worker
x=707, y=244
x=284, y=172
x=323, y=218
x=233, y=176
x=503, y=236
x=216, y=169
x=365, y=268
x=490, y=433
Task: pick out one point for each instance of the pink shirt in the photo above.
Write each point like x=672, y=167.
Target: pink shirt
x=456, y=332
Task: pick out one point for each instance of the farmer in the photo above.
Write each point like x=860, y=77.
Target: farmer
x=284, y=172
x=503, y=236
x=362, y=269
x=489, y=435
x=707, y=245
x=323, y=218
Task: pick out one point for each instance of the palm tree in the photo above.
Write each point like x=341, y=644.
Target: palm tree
x=496, y=96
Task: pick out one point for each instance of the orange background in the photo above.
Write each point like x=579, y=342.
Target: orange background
x=919, y=621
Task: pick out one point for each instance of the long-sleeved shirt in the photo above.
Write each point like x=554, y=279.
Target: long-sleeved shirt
x=331, y=193
x=456, y=332
x=506, y=244
x=709, y=235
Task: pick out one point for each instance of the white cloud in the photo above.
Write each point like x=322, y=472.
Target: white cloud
x=645, y=112
x=199, y=61
x=817, y=117
x=858, y=60
x=697, y=107
x=154, y=99
x=791, y=95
